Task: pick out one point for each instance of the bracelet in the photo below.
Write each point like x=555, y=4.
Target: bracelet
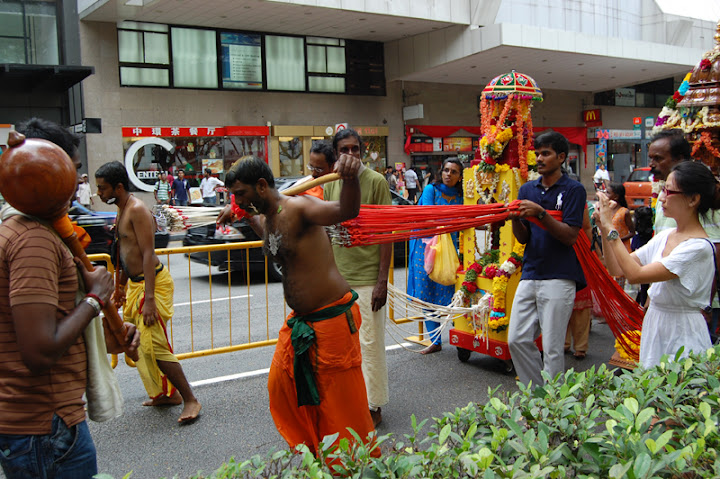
x=97, y=298
x=94, y=303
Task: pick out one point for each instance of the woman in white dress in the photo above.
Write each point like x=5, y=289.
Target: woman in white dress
x=680, y=264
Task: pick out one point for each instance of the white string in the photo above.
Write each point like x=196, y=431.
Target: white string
x=416, y=310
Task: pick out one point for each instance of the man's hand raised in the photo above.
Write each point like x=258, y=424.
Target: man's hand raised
x=348, y=166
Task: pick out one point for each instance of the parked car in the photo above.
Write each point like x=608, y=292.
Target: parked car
x=638, y=188
x=241, y=231
x=99, y=225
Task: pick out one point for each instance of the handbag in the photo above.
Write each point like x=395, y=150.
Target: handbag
x=430, y=253
x=446, y=261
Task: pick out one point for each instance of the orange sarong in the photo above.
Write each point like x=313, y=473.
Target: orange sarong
x=336, y=361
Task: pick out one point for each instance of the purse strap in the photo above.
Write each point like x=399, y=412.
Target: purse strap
x=716, y=282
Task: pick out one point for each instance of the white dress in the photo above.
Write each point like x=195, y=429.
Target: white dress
x=673, y=318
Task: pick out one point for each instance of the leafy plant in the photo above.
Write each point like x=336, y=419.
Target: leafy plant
x=661, y=422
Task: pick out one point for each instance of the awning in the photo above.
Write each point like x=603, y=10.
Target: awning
x=19, y=78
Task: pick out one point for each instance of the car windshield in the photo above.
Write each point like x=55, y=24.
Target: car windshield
x=640, y=175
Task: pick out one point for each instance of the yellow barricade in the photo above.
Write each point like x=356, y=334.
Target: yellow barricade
x=223, y=331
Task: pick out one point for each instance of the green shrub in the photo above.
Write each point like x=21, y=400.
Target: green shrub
x=599, y=423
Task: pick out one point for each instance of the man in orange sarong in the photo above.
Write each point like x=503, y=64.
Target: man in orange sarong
x=316, y=384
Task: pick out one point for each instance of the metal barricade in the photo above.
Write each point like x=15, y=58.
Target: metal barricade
x=192, y=333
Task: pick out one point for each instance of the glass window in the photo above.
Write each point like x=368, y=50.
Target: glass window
x=156, y=48
x=146, y=27
x=132, y=76
x=336, y=60
x=285, y=60
x=375, y=154
x=194, y=54
x=130, y=47
x=28, y=33
x=317, y=63
x=327, y=84
x=237, y=147
x=41, y=31
x=143, y=43
x=12, y=51
x=11, y=20
x=291, y=156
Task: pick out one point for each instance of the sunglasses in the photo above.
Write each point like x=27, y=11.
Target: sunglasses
x=668, y=192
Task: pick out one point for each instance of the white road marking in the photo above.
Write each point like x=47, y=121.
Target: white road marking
x=214, y=299
x=261, y=372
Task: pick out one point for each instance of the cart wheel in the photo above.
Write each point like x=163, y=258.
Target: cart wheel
x=509, y=366
x=463, y=354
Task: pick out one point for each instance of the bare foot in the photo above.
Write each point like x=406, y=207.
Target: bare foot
x=190, y=412
x=433, y=348
x=163, y=400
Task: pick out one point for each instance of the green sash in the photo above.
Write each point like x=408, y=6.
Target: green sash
x=303, y=337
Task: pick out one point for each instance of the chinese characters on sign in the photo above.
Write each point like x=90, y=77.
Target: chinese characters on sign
x=146, y=131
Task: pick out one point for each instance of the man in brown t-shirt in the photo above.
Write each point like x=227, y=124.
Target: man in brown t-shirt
x=43, y=363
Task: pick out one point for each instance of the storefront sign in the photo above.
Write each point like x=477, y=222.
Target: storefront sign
x=624, y=97
x=130, y=157
x=457, y=143
x=147, y=131
x=619, y=134
x=592, y=117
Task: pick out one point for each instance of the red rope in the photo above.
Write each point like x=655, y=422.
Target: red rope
x=379, y=224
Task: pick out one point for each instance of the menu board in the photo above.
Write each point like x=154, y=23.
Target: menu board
x=241, y=61
x=457, y=143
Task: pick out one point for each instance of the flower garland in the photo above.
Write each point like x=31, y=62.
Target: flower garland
x=706, y=140
x=493, y=144
x=625, y=341
x=657, y=186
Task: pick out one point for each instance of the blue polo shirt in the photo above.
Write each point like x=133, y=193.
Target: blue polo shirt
x=545, y=256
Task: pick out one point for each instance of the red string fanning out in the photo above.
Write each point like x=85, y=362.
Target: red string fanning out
x=378, y=224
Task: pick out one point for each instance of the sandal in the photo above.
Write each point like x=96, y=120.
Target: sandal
x=579, y=355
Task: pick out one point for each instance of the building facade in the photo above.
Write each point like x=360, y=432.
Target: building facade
x=202, y=84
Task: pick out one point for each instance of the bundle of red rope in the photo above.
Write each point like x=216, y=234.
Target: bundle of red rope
x=378, y=224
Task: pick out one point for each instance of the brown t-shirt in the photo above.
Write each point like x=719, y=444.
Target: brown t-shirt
x=35, y=267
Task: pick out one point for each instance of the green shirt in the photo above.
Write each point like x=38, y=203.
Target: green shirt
x=163, y=190
x=360, y=265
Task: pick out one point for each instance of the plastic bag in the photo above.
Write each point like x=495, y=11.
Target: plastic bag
x=446, y=261
x=430, y=253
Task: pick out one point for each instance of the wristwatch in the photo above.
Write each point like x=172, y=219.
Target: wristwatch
x=613, y=235
x=541, y=215
x=94, y=303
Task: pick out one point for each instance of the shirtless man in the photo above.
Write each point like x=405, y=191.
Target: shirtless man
x=148, y=302
x=316, y=384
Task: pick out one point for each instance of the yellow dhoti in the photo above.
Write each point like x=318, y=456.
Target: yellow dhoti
x=154, y=343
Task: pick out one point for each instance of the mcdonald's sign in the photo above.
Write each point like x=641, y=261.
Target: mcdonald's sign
x=592, y=117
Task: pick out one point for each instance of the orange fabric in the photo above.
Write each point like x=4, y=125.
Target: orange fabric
x=82, y=236
x=316, y=191
x=336, y=359
x=618, y=222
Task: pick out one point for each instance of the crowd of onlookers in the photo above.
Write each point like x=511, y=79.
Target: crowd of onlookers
x=409, y=183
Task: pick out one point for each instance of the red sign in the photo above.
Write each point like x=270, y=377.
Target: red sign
x=592, y=117
x=247, y=131
x=637, y=120
x=150, y=131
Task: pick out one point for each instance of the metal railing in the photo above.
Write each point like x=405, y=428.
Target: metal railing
x=191, y=335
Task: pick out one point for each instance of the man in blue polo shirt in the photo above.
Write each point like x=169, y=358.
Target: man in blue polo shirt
x=551, y=272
